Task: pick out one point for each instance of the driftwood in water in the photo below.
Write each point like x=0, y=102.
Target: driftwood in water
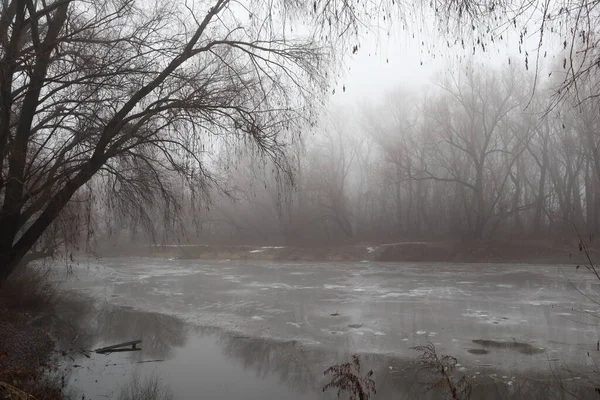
x=120, y=347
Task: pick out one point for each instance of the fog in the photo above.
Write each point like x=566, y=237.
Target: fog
x=255, y=192
x=429, y=132
x=471, y=151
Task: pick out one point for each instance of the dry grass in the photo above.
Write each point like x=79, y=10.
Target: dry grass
x=30, y=287
x=12, y=392
x=34, y=385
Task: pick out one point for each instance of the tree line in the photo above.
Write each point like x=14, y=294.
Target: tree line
x=480, y=154
x=117, y=116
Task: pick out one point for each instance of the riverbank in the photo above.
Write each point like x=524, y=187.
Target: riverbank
x=483, y=251
x=34, y=335
x=26, y=348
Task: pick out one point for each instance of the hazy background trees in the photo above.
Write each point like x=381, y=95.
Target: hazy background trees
x=121, y=118
x=476, y=155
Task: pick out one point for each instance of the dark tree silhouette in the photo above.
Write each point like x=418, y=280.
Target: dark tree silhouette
x=122, y=95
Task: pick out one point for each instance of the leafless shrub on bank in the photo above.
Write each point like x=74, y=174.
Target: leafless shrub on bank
x=30, y=287
x=346, y=378
x=442, y=368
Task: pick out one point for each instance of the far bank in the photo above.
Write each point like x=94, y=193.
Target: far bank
x=475, y=251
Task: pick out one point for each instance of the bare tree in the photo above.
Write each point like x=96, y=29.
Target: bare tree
x=333, y=157
x=126, y=95
x=473, y=147
x=566, y=30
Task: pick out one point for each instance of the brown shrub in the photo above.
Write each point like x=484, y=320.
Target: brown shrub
x=30, y=287
x=30, y=386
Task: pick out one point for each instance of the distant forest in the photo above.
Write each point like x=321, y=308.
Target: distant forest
x=481, y=153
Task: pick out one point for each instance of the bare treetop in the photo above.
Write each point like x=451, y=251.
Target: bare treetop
x=132, y=93
x=124, y=95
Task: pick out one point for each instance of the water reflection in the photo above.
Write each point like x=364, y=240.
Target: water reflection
x=159, y=333
x=214, y=361
x=90, y=325
x=385, y=308
x=293, y=364
x=301, y=368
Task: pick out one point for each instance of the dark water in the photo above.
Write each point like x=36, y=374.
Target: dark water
x=209, y=363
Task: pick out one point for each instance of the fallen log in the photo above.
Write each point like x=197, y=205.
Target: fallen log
x=120, y=347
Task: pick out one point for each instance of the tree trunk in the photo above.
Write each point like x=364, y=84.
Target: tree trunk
x=480, y=211
x=541, y=198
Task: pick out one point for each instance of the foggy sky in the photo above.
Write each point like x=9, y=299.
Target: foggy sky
x=412, y=58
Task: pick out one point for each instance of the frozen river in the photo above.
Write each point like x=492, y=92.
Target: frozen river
x=286, y=322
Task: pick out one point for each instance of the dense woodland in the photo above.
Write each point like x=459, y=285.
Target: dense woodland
x=200, y=122
x=480, y=153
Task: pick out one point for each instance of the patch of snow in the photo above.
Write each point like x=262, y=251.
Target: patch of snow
x=391, y=294
x=421, y=332
x=476, y=314
x=333, y=287
x=275, y=285
x=370, y=249
x=163, y=272
x=258, y=318
x=256, y=251
x=362, y=331
x=233, y=278
x=540, y=302
x=297, y=325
